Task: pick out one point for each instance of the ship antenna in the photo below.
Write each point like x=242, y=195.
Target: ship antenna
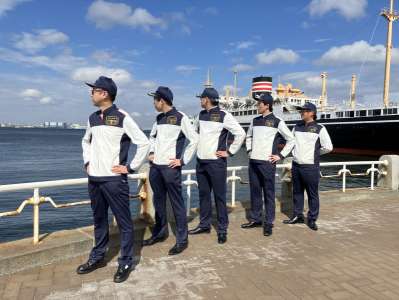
x=391, y=17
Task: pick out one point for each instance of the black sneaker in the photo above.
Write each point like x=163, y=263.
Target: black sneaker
x=268, y=230
x=90, y=266
x=199, y=230
x=295, y=220
x=312, y=225
x=153, y=240
x=178, y=248
x=251, y=225
x=122, y=273
x=222, y=238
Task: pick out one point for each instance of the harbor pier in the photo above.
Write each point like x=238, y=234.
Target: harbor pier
x=354, y=254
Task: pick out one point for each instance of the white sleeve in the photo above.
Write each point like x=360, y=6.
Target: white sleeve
x=289, y=138
x=137, y=137
x=153, y=135
x=189, y=132
x=231, y=124
x=325, y=142
x=248, y=141
x=86, y=142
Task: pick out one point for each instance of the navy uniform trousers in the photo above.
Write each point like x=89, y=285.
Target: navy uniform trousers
x=165, y=180
x=212, y=176
x=114, y=194
x=261, y=179
x=306, y=177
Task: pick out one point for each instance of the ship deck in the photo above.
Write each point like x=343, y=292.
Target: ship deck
x=354, y=255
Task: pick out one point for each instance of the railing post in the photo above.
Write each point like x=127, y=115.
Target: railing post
x=372, y=177
x=36, y=218
x=188, y=195
x=233, y=189
x=389, y=172
x=344, y=178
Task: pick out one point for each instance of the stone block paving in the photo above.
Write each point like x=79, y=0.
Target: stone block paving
x=354, y=255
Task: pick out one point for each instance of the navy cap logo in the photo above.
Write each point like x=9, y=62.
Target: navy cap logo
x=172, y=120
x=111, y=120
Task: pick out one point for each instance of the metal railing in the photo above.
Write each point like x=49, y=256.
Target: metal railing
x=36, y=200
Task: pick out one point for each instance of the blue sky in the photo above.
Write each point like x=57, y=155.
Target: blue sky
x=48, y=49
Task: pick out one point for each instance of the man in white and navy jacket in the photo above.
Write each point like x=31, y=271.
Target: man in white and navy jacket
x=311, y=141
x=213, y=125
x=262, y=143
x=167, y=155
x=109, y=133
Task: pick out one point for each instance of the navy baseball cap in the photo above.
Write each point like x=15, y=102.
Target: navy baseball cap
x=163, y=92
x=266, y=98
x=211, y=93
x=106, y=84
x=309, y=106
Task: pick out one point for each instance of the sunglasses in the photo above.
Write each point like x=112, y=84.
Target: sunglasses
x=96, y=90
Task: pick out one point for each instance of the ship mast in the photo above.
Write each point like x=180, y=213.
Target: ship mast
x=391, y=17
x=323, y=97
x=353, y=92
x=208, y=83
x=235, y=84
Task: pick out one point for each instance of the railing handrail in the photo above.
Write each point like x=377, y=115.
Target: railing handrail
x=81, y=181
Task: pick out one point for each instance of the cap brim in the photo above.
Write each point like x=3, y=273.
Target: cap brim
x=90, y=85
x=151, y=94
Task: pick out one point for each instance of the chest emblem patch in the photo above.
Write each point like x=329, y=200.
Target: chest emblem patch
x=215, y=117
x=111, y=120
x=312, y=129
x=269, y=123
x=172, y=120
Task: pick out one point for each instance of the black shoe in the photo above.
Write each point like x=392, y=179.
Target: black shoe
x=295, y=220
x=153, y=240
x=312, y=225
x=90, y=266
x=178, y=248
x=122, y=273
x=268, y=230
x=222, y=238
x=199, y=230
x=251, y=225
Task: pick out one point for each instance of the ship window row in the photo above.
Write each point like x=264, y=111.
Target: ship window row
x=366, y=112
x=245, y=113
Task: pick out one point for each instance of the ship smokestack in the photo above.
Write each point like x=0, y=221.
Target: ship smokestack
x=353, y=92
x=391, y=17
x=323, y=98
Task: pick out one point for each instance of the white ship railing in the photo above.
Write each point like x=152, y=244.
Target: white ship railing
x=142, y=189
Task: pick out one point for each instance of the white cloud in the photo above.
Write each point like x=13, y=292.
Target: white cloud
x=212, y=11
x=277, y=55
x=242, y=68
x=35, y=94
x=31, y=93
x=62, y=62
x=107, y=14
x=186, y=69
x=46, y=100
x=356, y=53
x=245, y=45
x=7, y=5
x=350, y=9
x=136, y=114
x=148, y=84
x=120, y=76
x=40, y=39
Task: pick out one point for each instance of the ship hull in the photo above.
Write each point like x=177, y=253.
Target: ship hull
x=368, y=136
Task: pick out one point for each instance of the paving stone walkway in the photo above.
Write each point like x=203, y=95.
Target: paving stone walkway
x=354, y=255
